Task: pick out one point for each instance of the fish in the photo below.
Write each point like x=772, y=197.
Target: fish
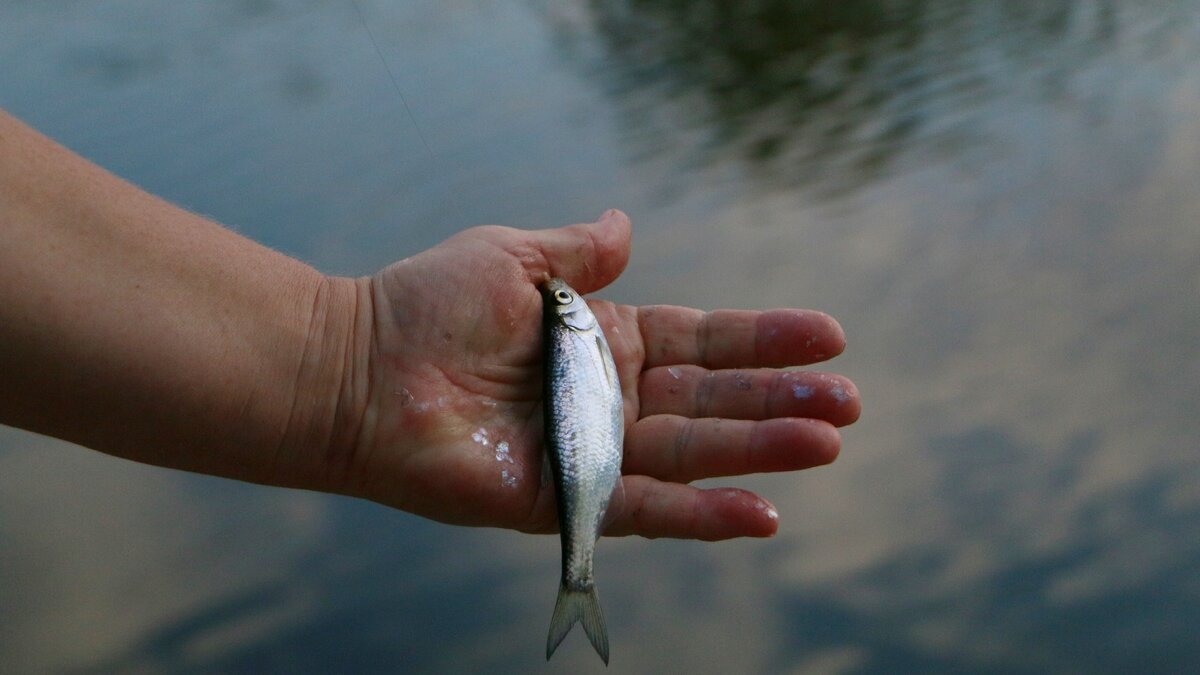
x=584, y=435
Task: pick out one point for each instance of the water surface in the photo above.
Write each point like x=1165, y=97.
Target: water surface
x=997, y=199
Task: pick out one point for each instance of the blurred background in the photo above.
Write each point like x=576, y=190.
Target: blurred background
x=997, y=199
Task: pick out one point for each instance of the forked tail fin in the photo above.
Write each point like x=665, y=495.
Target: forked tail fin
x=580, y=606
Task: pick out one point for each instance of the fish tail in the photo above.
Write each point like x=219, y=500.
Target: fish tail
x=575, y=606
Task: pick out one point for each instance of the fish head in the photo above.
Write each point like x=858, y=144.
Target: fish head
x=566, y=306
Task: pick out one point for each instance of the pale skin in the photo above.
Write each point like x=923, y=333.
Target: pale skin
x=136, y=328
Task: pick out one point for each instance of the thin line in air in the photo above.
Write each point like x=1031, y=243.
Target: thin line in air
x=400, y=92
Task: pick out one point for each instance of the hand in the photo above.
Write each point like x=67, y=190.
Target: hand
x=452, y=427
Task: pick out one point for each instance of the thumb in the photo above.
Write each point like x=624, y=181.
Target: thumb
x=588, y=256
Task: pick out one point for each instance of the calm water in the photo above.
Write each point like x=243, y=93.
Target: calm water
x=997, y=199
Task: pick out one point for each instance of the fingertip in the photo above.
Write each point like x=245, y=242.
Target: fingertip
x=616, y=216
x=729, y=513
x=797, y=444
x=767, y=520
x=850, y=403
x=829, y=336
x=613, y=236
x=843, y=402
x=837, y=335
x=825, y=451
x=787, y=337
x=588, y=256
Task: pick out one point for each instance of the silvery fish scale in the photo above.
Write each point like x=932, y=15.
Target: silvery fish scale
x=585, y=427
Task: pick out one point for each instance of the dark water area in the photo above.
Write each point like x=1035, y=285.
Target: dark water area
x=996, y=199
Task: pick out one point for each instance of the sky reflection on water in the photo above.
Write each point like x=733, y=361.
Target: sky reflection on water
x=996, y=199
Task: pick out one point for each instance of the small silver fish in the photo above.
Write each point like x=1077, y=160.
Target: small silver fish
x=585, y=429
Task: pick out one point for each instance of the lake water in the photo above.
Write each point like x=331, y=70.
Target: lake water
x=997, y=199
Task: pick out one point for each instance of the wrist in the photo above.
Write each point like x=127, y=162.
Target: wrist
x=319, y=448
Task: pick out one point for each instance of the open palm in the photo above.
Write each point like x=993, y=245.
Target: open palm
x=453, y=430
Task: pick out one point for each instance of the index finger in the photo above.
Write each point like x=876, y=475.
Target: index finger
x=735, y=338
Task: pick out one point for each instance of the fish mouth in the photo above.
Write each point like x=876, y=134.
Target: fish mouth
x=550, y=285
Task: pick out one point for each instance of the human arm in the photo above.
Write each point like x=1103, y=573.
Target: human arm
x=133, y=327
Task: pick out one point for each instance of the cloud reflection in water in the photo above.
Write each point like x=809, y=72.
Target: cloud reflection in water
x=996, y=199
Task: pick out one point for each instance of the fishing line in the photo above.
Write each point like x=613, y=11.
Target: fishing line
x=400, y=92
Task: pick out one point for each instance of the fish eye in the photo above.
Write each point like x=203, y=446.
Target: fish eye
x=563, y=297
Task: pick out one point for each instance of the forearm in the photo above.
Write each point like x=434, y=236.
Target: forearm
x=136, y=328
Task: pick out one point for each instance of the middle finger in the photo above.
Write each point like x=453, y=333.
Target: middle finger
x=757, y=394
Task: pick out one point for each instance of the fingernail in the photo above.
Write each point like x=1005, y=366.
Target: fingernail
x=607, y=215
